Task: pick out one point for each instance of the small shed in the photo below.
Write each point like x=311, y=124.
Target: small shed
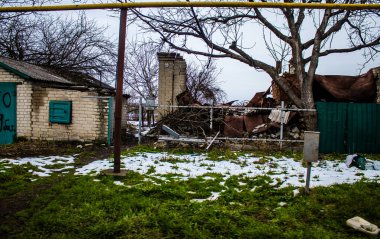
x=41, y=103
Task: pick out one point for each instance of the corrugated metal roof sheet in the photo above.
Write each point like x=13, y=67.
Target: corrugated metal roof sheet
x=34, y=72
x=54, y=76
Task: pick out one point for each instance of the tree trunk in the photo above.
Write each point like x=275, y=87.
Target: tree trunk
x=310, y=117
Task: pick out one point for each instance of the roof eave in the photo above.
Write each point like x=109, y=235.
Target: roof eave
x=14, y=71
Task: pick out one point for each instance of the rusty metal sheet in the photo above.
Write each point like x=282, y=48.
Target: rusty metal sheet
x=349, y=88
x=361, y=88
x=257, y=100
x=253, y=121
x=233, y=126
x=260, y=100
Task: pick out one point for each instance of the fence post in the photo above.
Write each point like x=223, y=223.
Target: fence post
x=211, y=115
x=282, y=123
x=140, y=120
x=110, y=133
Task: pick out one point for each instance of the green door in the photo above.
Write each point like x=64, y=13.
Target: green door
x=7, y=112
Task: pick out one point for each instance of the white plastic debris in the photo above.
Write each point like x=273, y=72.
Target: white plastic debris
x=362, y=225
x=349, y=159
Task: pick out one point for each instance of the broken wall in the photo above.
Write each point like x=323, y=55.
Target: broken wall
x=171, y=80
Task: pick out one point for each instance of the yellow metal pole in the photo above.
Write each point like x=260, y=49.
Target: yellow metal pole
x=190, y=4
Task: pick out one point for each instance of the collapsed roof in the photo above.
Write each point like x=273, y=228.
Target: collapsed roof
x=336, y=88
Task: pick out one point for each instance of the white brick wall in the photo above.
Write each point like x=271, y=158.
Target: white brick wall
x=89, y=115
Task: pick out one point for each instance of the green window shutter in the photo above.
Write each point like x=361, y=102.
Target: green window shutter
x=60, y=112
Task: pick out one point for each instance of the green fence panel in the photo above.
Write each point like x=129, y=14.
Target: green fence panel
x=363, y=128
x=332, y=126
x=349, y=127
x=7, y=112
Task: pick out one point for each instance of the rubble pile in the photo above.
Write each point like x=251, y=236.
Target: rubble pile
x=258, y=119
x=194, y=122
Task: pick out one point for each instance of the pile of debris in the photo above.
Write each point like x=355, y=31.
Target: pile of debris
x=261, y=120
x=194, y=122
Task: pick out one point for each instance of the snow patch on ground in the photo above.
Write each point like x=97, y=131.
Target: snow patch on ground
x=214, y=196
x=45, y=165
x=282, y=171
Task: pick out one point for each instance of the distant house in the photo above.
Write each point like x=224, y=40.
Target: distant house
x=39, y=103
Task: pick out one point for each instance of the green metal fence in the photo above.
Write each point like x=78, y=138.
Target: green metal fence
x=349, y=127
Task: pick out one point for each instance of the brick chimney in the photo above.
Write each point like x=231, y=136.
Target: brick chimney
x=171, y=79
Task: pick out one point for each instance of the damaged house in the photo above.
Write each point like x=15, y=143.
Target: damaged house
x=348, y=110
x=363, y=88
x=197, y=121
x=39, y=103
x=261, y=121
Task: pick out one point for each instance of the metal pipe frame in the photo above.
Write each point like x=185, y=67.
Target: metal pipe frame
x=189, y=4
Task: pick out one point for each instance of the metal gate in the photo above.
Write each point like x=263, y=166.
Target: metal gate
x=349, y=127
x=7, y=113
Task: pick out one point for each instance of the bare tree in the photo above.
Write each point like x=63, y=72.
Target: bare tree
x=76, y=45
x=220, y=33
x=5, y=16
x=202, y=82
x=141, y=74
x=141, y=70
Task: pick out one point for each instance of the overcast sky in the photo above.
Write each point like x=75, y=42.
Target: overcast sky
x=238, y=80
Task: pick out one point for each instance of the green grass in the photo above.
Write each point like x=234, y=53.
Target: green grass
x=69, y=206
x=79, y=207
x=15, y=178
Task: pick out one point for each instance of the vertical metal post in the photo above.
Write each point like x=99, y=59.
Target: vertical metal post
x=140, y=119
x=310, y=153
x=119, y=90
x=211, y=115
x=308, y=172
x=109, y=136
x=282, y=123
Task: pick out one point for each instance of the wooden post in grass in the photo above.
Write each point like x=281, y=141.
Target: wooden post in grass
x=119, y=90
x=310, y=153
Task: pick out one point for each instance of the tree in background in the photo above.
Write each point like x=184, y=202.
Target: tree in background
x=71, y=44
x=202, y=82
x=141, y=74
x=141, y=69
x=219, y=33
x=5, y=16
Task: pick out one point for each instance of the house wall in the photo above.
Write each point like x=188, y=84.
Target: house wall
x=24, y=102
x=172, y=79
x=89, y=114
